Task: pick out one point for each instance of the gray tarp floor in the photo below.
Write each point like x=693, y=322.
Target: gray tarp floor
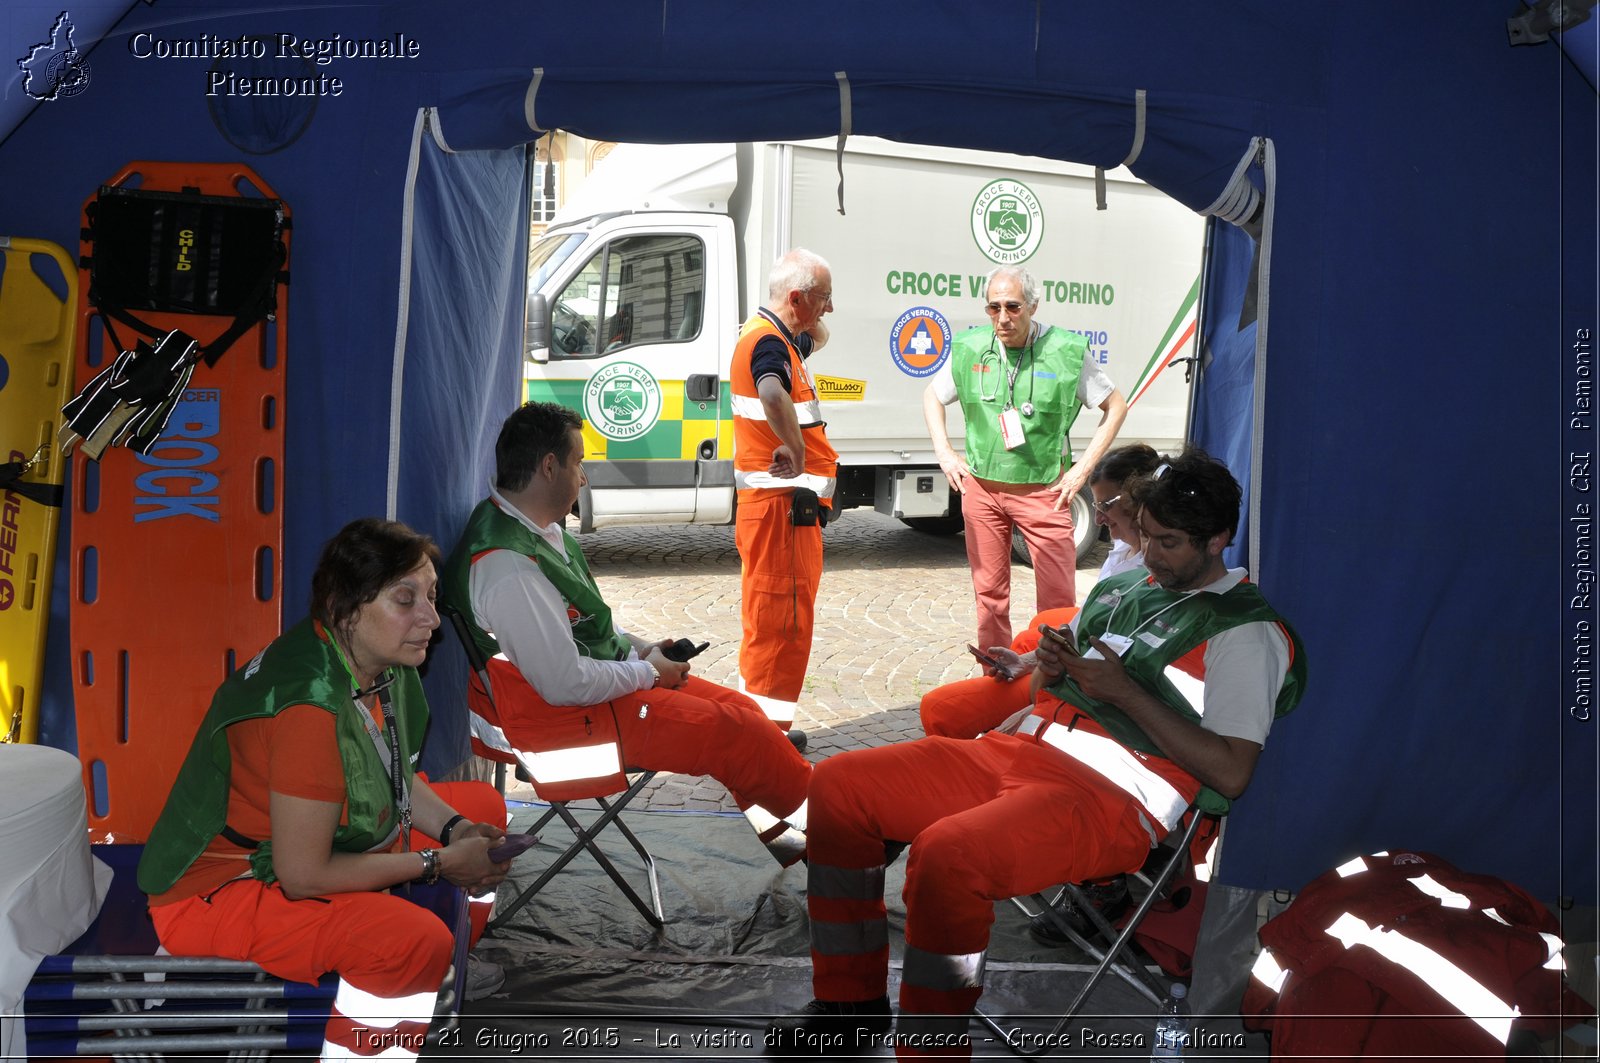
x=588, y=977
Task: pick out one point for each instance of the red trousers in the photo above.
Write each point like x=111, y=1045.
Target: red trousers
x=780, y=570
x=699, y=729
x=988, y=819
x=969, y=707
x=990, y=515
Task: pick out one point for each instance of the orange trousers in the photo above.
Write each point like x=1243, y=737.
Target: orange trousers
x=780, y=570
x=381, y=946
x=701, y=728
x=988, y=819
x=969, y=707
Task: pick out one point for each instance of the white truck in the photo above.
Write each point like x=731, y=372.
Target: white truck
x=639, y=286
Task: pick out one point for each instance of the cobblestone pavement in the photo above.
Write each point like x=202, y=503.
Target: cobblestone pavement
x=894, y=615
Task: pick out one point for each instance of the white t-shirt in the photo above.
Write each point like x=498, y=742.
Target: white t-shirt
x=1121, y=558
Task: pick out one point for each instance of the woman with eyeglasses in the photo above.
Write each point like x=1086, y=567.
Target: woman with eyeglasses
x=968, y=707
x=299, y=805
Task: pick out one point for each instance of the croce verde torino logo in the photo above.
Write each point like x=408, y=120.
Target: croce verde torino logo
x=1007, y=221
x=622, y=401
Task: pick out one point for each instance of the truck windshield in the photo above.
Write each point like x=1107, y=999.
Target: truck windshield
x=547, y=256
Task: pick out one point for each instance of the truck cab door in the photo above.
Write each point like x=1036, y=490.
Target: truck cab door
x=637, y=344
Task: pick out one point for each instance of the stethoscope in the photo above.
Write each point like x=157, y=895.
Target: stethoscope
x=1011, y=377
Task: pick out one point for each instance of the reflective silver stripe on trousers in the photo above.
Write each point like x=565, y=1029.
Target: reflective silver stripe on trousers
x=784, y=838
x=849, y=939
x=1116, y=764
x=845, y=883
x=488, y=733
x=746, y=479
x=775, y=709
x=808, y=413
x=570, y=765
x=944, y=971
x=939, y=1029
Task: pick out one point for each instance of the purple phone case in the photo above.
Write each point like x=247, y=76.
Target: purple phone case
x=512, y=845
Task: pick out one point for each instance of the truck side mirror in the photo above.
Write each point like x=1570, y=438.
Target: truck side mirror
x=538, y=338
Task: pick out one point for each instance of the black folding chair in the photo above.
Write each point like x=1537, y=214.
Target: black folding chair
x=1110, y=945
x=613, y=792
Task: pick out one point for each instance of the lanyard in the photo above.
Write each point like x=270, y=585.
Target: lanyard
x=1148, y=620
x=389, y=753
x=1012, y=370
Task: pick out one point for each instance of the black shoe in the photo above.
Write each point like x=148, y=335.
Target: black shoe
x=797, y=738
x=830, y=1027
x=1109, y=898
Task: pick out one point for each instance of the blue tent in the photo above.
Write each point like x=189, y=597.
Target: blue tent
x=1402, y=386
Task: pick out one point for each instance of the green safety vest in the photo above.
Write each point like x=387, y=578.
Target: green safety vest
x=1047, y=376
x=1135, y=605
x=491, y=528
x=300, y=667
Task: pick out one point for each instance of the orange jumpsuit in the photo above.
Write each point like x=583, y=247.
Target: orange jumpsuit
x=969, y=707
x=781, y=563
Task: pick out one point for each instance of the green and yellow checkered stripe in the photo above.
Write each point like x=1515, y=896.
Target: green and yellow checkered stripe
x=677, y=433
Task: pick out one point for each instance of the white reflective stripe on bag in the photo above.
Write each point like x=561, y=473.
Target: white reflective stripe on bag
x=1463, y=992
x=1268, y=972
x=1118, y=765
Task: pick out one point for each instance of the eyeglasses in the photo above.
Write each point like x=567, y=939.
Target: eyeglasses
x=1011, y=307
x=1104, y=508
x=826, y=297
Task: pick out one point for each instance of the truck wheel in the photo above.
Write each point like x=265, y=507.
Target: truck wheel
x=949, y=524
x=1084, y=531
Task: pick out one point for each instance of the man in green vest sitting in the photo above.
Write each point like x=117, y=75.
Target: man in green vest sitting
x=1162, y=691
x=577, y=697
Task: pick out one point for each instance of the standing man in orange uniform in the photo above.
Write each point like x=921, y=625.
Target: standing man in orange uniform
x=785, y=470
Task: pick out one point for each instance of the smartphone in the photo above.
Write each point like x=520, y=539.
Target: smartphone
x=683, y=649
x=1062, y=637
x=512, y=845
x=983, y=658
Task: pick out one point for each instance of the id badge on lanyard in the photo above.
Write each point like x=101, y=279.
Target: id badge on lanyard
x=1011, y=428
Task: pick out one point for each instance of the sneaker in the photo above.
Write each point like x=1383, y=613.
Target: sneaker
x=1109, y=898
x=830, y=1027
x=484, y=977
x=797, y=738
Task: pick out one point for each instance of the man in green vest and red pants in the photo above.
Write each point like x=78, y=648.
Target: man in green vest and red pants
x=576, y=695
x=1165, y=685
x=1020, y=385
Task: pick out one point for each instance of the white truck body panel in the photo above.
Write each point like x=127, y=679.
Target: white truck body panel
x=703, y=223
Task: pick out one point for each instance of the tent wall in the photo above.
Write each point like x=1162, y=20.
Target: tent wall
x=1410, y=488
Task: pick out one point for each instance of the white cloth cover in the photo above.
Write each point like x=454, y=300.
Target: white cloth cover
x=51, y=886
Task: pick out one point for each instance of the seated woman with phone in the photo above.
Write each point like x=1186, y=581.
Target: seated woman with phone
x=968, y=707
x=299, y=805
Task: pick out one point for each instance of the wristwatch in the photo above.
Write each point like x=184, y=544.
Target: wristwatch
x=430, y=866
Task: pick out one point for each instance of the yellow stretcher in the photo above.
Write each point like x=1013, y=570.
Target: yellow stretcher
x=38, y=312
